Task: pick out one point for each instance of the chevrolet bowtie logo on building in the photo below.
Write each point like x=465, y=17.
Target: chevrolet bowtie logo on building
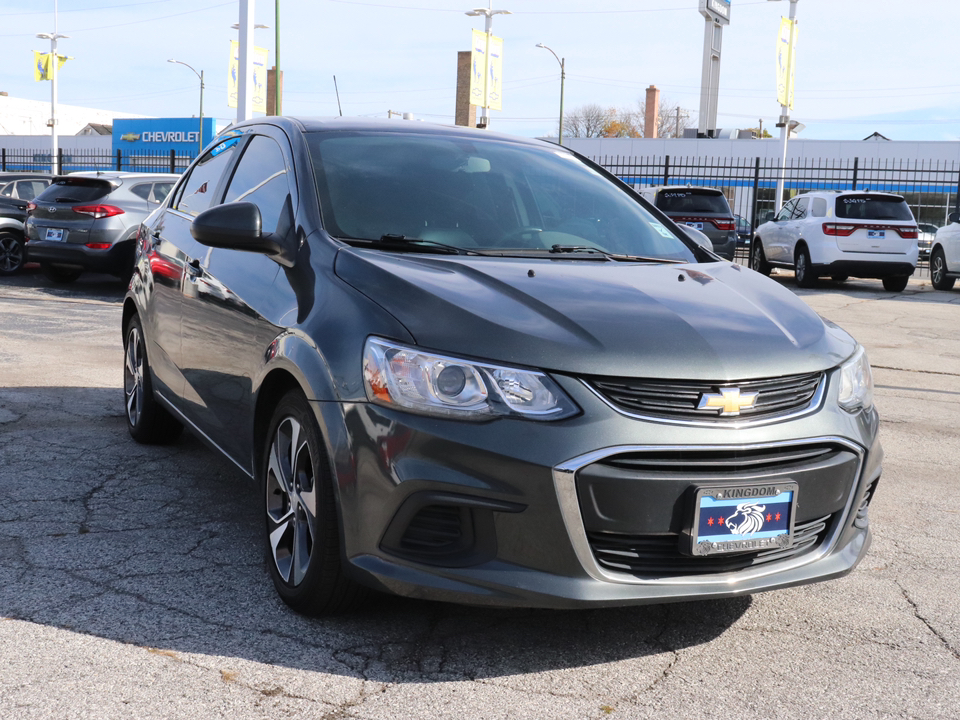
x=130, y=137
x=730, y=401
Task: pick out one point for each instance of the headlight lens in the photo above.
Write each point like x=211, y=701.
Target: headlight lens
x=856, y=383
x=405, y=377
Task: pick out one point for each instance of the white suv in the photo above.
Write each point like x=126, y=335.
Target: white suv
x=945, y=255
x=839, y=234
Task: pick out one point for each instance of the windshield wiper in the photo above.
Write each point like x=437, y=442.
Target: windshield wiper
x=609, y=255
x=402, y=242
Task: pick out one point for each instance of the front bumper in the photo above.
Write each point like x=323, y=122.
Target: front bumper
x=865, y=268
x=506, y=513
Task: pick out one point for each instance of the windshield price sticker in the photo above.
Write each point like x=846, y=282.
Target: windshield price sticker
x=661, y=229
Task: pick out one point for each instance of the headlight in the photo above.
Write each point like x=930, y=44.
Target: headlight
x=405, y=377
x=856, y=383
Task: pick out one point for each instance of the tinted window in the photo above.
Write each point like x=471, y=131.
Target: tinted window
x=161, y=190
x=873, y=207
x=29, y=189
x=142, y=190
x=692, y=201
x=198, y=191
x=475, y=192
x=6, y=190
x=75, y=190
x=261, y=178
x=801, y=209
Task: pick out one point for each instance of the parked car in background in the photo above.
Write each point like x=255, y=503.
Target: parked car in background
x=704, y=208
x=945, y=254
x=840, y=234
x=927, y=232
x=16, y=191
x=470, y=367
x=89, y=221
x=744, y=230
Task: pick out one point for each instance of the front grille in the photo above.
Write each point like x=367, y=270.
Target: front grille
x=695, y=463
x=679, y=399
x=657, y=556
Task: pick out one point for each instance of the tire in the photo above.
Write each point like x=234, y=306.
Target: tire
x=802, y=268
x=895, y=284
x=12, y=255
x=59, y=274
x=147, y=421
x=758, y=261
x=302, y=532
x=938, y=271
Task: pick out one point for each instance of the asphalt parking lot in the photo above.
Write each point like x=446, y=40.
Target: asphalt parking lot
x=132, y=583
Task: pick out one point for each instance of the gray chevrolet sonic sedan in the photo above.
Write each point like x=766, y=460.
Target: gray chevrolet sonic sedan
x=476, y=368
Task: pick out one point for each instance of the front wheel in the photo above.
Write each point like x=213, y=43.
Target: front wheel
x=758, y=260
x=938, y=272
x=302, y=533
x=11, y=253
x=803, y=269
x=895, y=284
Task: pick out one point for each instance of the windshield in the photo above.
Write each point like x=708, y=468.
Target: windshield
x=873, y=207
x=692, y=201
x=480, y=194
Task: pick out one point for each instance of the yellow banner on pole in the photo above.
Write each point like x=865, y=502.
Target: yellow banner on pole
x=786, y=61
x=259, y=90
x=478, y=68
x=41, y=65
x=486, y=71
x=495, y=74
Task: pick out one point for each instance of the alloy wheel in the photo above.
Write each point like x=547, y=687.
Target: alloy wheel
x=936, y=269
x=11, y=254
x=291, y=501
x=133, y=369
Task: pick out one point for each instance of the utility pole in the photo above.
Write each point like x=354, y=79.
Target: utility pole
x=677, y=133
x=784, y=123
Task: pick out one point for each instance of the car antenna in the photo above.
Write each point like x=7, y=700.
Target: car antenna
x=338, y=95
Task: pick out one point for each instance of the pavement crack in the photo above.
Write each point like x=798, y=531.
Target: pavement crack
x=936, y=633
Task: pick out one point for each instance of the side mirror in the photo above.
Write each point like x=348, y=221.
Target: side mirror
x=235, y=226
x=954, y=217
x=769, y=217
x=698, y=237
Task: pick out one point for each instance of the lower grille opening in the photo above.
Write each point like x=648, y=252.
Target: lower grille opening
x=437, y=530
x=658, y=556
x=863, y=512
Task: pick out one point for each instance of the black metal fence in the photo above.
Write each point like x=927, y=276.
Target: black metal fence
x=931, y=188
x=73, y=160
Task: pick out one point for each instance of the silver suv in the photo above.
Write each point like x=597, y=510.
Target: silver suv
x=839, y=234
x=89, y=221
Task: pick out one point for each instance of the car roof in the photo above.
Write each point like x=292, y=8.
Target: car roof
x=409, y=127
x=111, y=175
x=682, y=187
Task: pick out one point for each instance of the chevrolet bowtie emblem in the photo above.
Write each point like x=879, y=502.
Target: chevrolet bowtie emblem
x=730, y=401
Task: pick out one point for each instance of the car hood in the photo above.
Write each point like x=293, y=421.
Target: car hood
x=716, y=321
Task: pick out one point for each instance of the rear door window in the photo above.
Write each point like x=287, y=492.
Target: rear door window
x=75, y=190
x=873, y=207
x=693, y=201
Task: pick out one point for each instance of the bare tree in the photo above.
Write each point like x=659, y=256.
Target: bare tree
x=585, y=121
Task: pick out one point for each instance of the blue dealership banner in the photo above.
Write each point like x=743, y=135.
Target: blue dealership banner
x=159, y=135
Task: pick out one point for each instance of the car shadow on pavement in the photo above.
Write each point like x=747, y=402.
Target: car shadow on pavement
x=159, y=547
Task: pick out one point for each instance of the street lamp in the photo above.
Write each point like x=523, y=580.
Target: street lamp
x=199, y=75
x=54, y=67
x=563, y=75
x=488, y=13
x=784, y=122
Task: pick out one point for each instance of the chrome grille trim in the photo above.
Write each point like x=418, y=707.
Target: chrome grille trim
x=565, y=484
x=689, y=392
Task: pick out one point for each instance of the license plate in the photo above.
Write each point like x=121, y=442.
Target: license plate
x=743, y=518
x=54, y=235
x=875, y=234
x=698, y=226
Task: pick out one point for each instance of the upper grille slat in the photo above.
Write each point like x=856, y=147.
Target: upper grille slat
x=679, y=399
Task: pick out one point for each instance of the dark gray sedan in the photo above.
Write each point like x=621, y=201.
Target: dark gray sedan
x=476, y=368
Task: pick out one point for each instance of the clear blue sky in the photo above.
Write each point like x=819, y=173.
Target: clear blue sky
x=861, y=66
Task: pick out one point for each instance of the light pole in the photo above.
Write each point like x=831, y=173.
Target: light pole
x=563, y=75
x=54, y=66
x=199, y=75
x=488, y=13
x=784, y=122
